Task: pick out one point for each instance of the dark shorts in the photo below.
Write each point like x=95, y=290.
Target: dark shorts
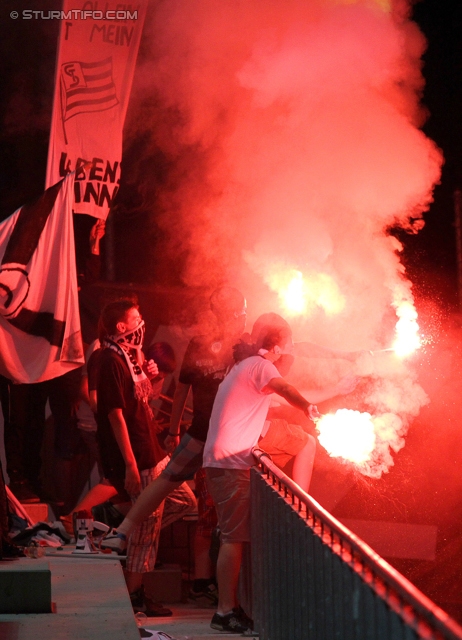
x=230, y=490
x=186, y=460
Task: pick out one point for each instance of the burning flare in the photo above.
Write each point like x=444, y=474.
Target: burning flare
x=293, y=296
x=407, y=330
x=347, y=434
x=299, y=294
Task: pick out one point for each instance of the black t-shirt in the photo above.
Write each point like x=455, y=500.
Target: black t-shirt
x=205, y=364
x=115, y=390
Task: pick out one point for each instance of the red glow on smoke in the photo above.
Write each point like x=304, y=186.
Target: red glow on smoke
x=304, y=119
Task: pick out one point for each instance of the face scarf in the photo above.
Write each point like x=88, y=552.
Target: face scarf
x=129, y=345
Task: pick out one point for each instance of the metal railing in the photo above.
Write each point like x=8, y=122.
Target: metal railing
x=314, y=579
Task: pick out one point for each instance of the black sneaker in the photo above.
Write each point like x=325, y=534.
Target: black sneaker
x=206, y=595
x=244, y=616
x=141, y=603
x=232, y=622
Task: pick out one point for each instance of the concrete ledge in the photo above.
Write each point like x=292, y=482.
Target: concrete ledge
x=91, y=602
x=25, y=587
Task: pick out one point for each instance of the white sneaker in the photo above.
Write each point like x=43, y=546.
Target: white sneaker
x=114, y=541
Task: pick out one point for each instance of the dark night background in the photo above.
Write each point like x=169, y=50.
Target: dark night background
x=410, y=493
x=431, y=256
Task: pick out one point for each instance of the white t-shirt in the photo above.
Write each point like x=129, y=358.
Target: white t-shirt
x=238, y=414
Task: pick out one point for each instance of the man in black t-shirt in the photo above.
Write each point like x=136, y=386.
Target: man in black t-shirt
x=130, y=453
x=205, y=364
x=117, y=401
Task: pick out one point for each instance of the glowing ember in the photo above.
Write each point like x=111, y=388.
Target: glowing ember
x=347, y=434
x=407, y=336
x=298, y=295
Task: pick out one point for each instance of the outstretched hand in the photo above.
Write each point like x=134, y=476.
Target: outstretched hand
x=312, y=412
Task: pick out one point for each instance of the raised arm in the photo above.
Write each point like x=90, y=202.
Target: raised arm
x=280, y=386
x=289, y=393
x=311, y=350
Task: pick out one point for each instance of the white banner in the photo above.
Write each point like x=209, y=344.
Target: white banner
x=98, y=47
x=39, y=314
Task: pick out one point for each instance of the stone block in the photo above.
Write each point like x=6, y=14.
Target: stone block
x=164, y=584
x=25, y=587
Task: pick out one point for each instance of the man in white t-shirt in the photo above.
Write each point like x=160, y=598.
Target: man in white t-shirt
x=237, y=419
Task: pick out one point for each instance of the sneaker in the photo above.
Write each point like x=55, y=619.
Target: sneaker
x=142, y=603
x=232, y=622
x=204, y=593
x=244, y=616
x=156, y=609
x=114, y=541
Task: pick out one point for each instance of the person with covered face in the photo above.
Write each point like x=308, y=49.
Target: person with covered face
x=207, y=360
x=238, y=416
x=127, y=435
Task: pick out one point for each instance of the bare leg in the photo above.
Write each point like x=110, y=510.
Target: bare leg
x=303, y=464
x=228, y=568
x=133, y=580
x=148, y=501
x=97, y=494
x=203, y=568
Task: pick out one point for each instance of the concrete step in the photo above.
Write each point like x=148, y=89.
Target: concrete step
x=91, y=602
x=25, y=587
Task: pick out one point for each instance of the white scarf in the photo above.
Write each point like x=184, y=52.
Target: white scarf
x=129, y=345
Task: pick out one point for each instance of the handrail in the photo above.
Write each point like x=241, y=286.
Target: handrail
x=366, y=561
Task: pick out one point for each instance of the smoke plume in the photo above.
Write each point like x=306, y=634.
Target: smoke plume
x=291, y=133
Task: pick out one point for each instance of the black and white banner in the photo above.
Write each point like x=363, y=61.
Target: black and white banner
x=98, y=47
x=39, y=314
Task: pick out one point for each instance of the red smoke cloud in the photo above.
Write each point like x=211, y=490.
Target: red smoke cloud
x=293, y=130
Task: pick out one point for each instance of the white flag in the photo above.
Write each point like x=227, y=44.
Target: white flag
x=39, y=314
x=94, y=73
